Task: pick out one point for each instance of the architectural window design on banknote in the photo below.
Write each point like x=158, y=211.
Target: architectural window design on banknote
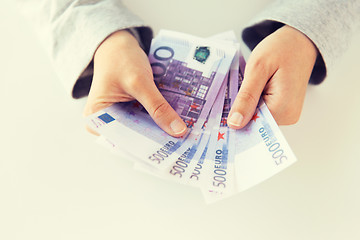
x=200, y=78
x=184, y=88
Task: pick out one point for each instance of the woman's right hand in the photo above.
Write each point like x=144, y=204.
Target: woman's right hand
x=122, y=73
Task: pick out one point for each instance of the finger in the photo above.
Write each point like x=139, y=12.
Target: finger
x=91, y=107
x=285, y=112
x=160, y=110
x=257, y=74
x=101, y=97
x=90, y=130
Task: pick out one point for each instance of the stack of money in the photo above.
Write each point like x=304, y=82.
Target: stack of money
x=200, y=78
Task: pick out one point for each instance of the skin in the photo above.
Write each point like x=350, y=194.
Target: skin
x=278, y=69
x=122, y=73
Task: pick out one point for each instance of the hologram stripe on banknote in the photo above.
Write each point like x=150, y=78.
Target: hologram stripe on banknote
x=189, y=83
x=181, y=169
x=187, y=167
x=260, y=152
x=219, y=171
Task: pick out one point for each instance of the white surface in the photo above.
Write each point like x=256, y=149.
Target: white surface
x=57, y=183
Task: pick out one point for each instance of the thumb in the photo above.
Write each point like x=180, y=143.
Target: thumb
x=256, y=76
x=160, y=110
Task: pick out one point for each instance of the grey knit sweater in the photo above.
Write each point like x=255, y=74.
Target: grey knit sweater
x=71, y=31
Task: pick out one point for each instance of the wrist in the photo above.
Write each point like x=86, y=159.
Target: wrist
x=302, y=40
x=116, y=41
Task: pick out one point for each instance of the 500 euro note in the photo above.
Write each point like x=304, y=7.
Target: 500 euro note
x=186, y=167
x=188, y=72
x=260, y=151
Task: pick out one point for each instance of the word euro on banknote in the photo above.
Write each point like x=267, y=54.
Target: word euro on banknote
x=188, y=72
x=185, y=167
x=219, y=159
x=191, y=169
x=261, y=151
x=182, y=167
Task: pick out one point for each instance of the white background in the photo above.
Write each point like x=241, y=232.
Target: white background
x=57, y=183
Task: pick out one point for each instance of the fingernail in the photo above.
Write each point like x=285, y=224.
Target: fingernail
x=235, y=119
x=177, y=126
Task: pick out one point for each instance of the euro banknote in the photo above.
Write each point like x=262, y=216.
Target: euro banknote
x=200, y=78
x=188, y=72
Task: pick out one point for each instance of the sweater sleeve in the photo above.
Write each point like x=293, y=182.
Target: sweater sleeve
x=329, y=24
x=72, y=30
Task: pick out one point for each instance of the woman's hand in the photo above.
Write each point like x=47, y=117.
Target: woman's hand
x=279, y=69
x=122, y=72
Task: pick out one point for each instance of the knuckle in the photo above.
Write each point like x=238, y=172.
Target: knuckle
x=294, y=118
x=288, y=121
x=289, y=116
x=248, y=98
x=136, y=79
x=293, y=111
x=161, y=110
x=257, y=64
x=285, y=110
x=133, y=82
x=261, y=64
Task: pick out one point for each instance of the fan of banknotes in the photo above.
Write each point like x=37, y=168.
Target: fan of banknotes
x=200, y=78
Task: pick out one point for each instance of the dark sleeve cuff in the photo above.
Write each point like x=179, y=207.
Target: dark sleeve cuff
x=254, y=34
